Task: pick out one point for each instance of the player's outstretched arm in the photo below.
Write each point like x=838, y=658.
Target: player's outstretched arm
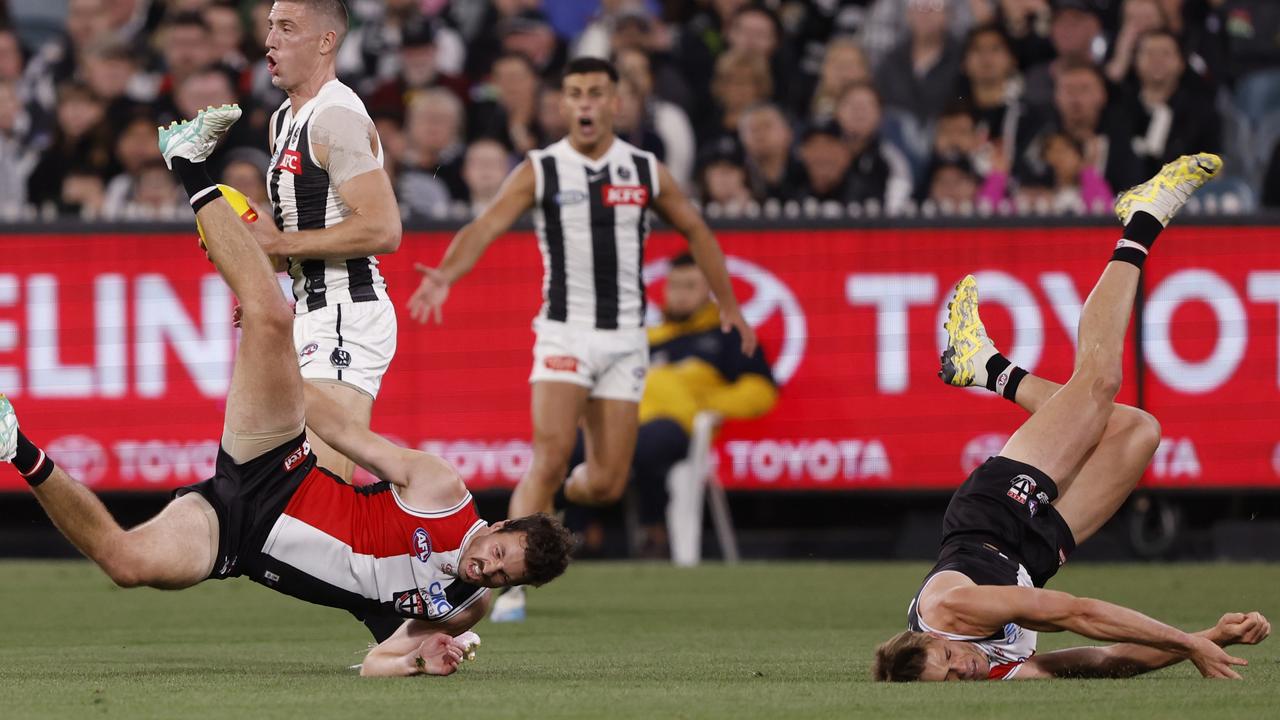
x=343, y=143
x=676, y=209
x=981, y=609
x=399, y=654
x=1129, y=659
x=514, y=197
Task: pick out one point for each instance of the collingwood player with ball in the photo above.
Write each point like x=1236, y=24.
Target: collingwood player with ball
x=591, y=194
x=334, y=210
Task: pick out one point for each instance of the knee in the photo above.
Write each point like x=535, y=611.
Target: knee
x=269, y=317
x=1105, y=385
x=1145, y=431
x=605, y=489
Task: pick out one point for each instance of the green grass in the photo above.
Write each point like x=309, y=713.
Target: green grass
x=607, y=641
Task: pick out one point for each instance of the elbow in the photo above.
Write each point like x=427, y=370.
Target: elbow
x=389, y=236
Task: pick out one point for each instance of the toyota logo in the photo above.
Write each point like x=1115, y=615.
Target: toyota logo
x=770, y=296
x=82, y=457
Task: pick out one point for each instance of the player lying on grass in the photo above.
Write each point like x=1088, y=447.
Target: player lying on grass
x=1066, y=470
x=410, y=546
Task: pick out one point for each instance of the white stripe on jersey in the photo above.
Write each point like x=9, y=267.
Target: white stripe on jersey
x=302, y=198
x=589, y=201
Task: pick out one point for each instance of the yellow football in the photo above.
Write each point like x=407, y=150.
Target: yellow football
x=238, y=202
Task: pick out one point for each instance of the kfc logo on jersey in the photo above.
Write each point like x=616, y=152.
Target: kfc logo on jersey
x=421, y=545
x=615, y=195
x=1022, y=487
x=297, y=456
x=290, y=161
x=561, y=363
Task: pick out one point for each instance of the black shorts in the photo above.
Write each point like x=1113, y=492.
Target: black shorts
x=1007, y=504
x=248, y=498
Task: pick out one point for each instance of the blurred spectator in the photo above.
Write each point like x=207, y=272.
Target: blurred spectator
x=81, y=140
x=1138, y=17
x=227, y=33
x=1171, y=114
x=919, y=75
x=390, y=129
x=246, y=170
x=843, y=65
x=484, y=168
x=551, y=122
x=886, y=25
x=482, y=30
x=722, y=177
x=632, y=123
x=757, y=30
x=202, y=89
x=155, y=196
x=815, y=27
x=634, y=30
x=111, y=72
x=955, y=132
x=694, y=367
x=186, y=46
x=60, y=60
x=1072, y=183
x=1076, y=34
x=741, y=81
x=135, y=148
x=1026, y=25
x=826, y=160
x=530, y=34
x=773, y=171
x=952, y=183
x=418, y=71
x=667, y=119
x=700, y=49
x=430, y=175
x=1252, y=40
x=994, y=86
x=507, y=106
x=17, y=157
x=78, y=194
x=879, y=171
x=11, y=56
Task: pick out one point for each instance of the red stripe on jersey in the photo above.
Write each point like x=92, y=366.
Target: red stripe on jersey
x=999, y=672
x=372, y=523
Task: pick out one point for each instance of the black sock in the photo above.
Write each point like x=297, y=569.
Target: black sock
x=1143, y=228
x=1003, y=377
x=196, y=181
x=31, y=463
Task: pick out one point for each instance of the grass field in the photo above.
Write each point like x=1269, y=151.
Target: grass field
x=607, y=641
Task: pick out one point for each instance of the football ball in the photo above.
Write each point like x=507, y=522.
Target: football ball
x=238, y=202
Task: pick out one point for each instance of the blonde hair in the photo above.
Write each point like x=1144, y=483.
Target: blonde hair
x=902, y=657
x=733, y=59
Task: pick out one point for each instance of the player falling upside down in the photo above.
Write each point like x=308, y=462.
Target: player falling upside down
x=410, y=547
x=1066, y=470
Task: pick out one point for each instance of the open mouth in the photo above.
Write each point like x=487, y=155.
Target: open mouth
x=473, y=571
x=271, y=65
x=586, y=123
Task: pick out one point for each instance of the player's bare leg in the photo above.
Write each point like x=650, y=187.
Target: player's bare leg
x=355, y=404
x=556, y=408
x=610, y=436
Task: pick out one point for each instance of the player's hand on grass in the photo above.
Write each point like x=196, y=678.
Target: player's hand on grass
x=467, y=642
x=1212, y=661
x=731, y=320
x=438, y=655
x=1242, y=629
x=426, y=301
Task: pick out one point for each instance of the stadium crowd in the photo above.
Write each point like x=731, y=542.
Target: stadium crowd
x=890, y=105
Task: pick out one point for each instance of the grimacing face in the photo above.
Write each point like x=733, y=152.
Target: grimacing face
x=953, y=661
x=588, y=105
x=494, y=559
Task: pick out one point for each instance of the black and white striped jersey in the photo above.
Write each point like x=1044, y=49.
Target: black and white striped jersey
x=592, y=218
x=303, y=198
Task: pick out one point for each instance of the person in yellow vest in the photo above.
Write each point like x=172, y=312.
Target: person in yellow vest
x=693, y=366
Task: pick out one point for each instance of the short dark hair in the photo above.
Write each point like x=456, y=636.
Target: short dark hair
x=335, y=9
x=547, y=545
x=585, y=64
x=683, y=260
x=990, y=28
x=901, y=658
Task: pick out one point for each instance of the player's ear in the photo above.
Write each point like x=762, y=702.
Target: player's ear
x=499, y=525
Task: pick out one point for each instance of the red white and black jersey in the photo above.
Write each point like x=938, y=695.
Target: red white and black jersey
x=366, y=551
x=303, y=198
x=592, y=219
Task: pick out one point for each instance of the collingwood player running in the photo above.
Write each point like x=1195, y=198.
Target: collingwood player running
x=591, y=194
x=334, y=210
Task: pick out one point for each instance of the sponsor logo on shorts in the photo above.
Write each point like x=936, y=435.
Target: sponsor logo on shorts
x=290, y=162
x=638, y=373
x=1021, y=487
x=570, y=197
x=1062, y=557
x=297, y=456
x=340, y=358
x=561, y=363
x=421, y=544
x=309, y=350
x=615, y=195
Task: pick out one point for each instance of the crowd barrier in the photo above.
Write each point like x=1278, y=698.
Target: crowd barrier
x=117, y=348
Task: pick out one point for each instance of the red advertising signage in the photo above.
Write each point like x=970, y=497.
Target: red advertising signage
x=117, y=351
